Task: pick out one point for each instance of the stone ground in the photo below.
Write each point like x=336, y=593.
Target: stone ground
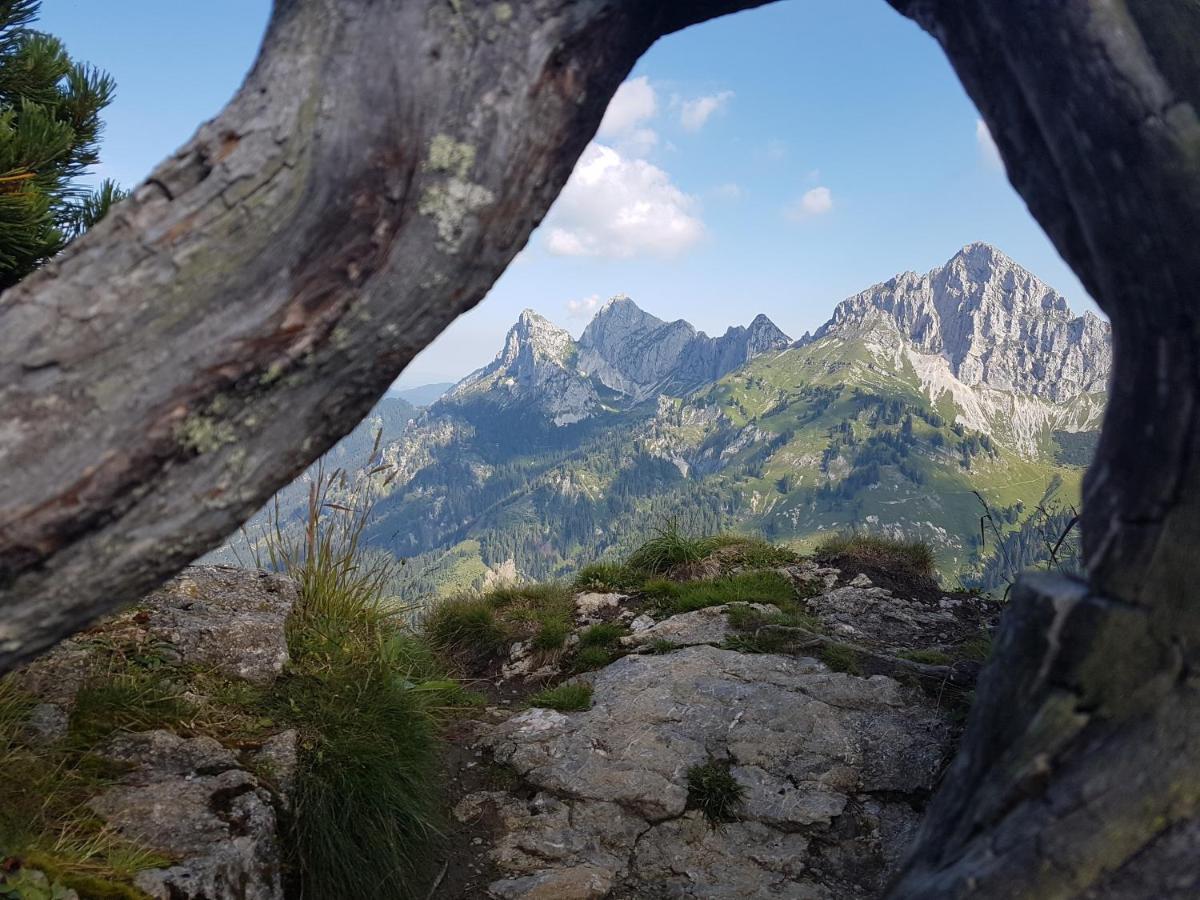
x=191, y=800
x=834, y=767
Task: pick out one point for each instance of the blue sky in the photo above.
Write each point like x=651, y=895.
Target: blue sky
x=776, y=161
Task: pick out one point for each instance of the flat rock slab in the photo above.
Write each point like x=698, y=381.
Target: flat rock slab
x=873, y=617
x=702, y=626
x=831, y=766
x=188, y=799
x=224, y=617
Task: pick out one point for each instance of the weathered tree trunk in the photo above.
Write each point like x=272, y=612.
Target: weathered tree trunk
x=380, y=167
x=378, y=170
x=1079, y=774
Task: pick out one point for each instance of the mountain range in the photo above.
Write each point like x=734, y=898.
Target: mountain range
x=926, y=405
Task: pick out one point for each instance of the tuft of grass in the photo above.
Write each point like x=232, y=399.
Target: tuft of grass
x=570, y=697
x=591, y=658
x=552, y=632
x=912, y=558
x=668, y=548
x=745, y=587
x=130, y=701
x=929, y=657
x=841, y=658
x=753, y=552
x=367, y=696
x=599, y=645
x=44, y=822
x=465, y=626
x=604, y=578
x=714, y=791
x=605, y=634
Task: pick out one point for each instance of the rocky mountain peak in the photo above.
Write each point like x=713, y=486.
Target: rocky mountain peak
x=994, y=322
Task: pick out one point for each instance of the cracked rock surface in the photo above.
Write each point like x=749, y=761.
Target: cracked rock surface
x=832, y=768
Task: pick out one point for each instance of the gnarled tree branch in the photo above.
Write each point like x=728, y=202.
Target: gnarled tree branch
x=383, y=163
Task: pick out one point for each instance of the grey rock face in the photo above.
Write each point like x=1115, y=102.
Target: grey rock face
x=825, y=760
x=704, y=626
x=635, y=353
x=188, y=799
x=994, y=322
x=537, y=366
x=224, y=617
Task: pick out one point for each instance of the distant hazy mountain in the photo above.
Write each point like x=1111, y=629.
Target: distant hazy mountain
x=424, y=394
x=917, y=393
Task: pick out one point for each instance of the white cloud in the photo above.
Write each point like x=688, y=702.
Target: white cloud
x=581, y=309
x=816, y=202
x=987, y=145
x=634, y=102
x=731, y=190
x=617, y=207
x=695, y=113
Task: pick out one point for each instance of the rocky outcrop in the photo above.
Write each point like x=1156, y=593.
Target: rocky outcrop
x=635, y=353
x=995, y=323
x=829, y=765
x=203, y=806
x=537, y=367
x=190, y=800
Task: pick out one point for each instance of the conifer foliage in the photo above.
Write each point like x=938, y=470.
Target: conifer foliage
x=50, y=128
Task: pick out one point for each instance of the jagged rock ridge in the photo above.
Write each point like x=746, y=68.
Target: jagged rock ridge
x=995, y=323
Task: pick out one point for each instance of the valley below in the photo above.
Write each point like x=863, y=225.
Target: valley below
x=959, y=407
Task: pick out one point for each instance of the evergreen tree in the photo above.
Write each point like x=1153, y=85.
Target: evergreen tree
x=49, y=135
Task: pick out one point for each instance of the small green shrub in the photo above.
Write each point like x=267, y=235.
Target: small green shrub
x=552, y=633
x=714, y=791
x=754, y=552
x=744, y=587
x=605, y=634
x=841, y=658
x=912, y=558
x=465, y=626
x=569, y=697
x=588, y=659
x=606, y=577
x=668, y=548
x=928, y=657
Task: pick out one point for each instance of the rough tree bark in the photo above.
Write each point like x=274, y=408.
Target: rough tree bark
x=383, y=163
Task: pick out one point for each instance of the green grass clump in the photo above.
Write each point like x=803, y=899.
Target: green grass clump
x=912, y=558
x=465, y=626
x=604, y=578
x=552, y=632
x=714, y=791
x=605, y=634
x=599, y=645
x=44, y=821
x=744, y=587
x=570, y=697
x=754, y=552
x=367, y=697
x=928, y=657
x=841, y=658
x=669, y=548
x=588, y=659
x=130, y=701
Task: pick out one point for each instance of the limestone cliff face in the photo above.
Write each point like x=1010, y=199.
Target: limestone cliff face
x=995, y=323
x=635, y=353
x=536, y=367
